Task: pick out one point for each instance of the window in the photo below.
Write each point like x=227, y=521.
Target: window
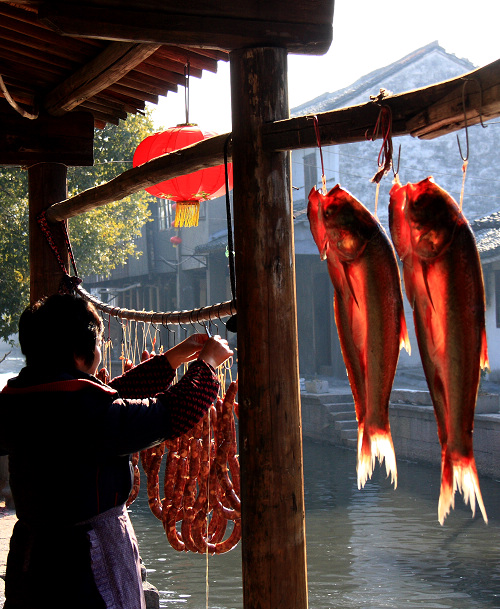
x=166, y=214
x=310, y=172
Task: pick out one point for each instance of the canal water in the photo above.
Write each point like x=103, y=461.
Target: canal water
x=374, y=548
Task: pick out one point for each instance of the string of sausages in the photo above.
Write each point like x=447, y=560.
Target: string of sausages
x=201, y=508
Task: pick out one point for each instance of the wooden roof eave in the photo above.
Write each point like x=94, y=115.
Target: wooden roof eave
x=301, y=27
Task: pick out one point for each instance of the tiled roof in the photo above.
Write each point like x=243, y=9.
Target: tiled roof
x=343, y=97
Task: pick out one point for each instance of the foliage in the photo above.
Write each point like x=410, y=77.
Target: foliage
x=102, y=239
x=14, y=262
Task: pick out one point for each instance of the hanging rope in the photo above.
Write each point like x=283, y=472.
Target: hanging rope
x=383, y=126
x=318, y=141
x=69, y=283
x=72, y=284
x=230, y=245
x=12, y=102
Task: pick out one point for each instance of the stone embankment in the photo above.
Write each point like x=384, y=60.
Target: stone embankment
x=329, y=417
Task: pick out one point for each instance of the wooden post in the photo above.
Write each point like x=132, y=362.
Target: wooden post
x=47, y=185
x=272, y=494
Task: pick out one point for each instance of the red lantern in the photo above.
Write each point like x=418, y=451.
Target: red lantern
x=187, y=190
x=175, y=240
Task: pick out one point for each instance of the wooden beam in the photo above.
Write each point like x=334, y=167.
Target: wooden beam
x=47, y=183
x=411, y=112
x=107, y=68
x=223, y=25
x=206, y=153
x=426, y=113
x=270, y=434
x=67, y=139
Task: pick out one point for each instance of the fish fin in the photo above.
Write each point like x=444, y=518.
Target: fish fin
x=345, y=267
x=409, y=284
x=484, y=359
x=404, y=339
x=461, y=476
x=426, y=283
x=371, y=447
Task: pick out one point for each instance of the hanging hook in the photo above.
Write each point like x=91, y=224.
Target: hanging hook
x=396, y=171
x=466, y=126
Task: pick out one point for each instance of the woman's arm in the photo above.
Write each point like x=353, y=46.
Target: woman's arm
x=157, y=373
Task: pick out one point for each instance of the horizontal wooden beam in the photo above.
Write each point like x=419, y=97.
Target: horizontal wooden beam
x=206, y=153
x=223, y=25
x=425, y=113
x=411, y=114
x=107, y=68
x=67, y=139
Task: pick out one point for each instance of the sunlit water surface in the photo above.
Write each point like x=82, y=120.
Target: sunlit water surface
x=375, y=548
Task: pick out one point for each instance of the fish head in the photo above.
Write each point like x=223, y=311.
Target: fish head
x=347, y=222
x=432, y=216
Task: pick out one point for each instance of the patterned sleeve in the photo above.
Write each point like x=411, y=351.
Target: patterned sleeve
x=132, y=425
x=146, y=379
x=191, y=397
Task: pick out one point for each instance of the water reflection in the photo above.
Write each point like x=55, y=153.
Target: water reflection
x=376, y=548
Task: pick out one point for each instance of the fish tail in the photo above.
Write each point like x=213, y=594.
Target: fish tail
x=371, y=447
x=404, y=339
x=484, y=360
x=461, y=476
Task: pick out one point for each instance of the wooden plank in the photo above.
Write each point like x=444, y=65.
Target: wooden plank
x=182, y=55
x=132, y=93
x=190, y=28
x=341, y=126
x=147, y=84
x=107, y=68
x=305, y=11
x=477, y=96
x=161, y=75
x=175, y=66
x=425, y=113
x=27, y=23
x=272, y=493
x=68, y=139
x=30, y=47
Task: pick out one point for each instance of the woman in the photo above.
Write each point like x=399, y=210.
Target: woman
x=69, y=438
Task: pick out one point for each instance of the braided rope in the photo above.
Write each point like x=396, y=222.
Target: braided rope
x=193, y=316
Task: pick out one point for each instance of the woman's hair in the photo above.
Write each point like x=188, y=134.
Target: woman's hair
x=55, y=330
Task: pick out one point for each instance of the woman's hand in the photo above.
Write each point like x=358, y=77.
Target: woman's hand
x=187, y=350
x=215, y=351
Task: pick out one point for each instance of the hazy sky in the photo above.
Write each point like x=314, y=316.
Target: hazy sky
x=367, y=34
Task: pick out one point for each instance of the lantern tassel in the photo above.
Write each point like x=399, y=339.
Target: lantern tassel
x=187, y=213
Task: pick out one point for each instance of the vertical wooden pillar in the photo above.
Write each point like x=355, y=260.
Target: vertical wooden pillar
x=47, y=185
x=273, y=525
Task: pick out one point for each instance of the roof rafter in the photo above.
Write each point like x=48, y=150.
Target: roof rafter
x=108, y=67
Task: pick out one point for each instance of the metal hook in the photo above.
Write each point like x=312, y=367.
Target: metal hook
x=164, y=323
x=396, y=171
x=466, y=126
x=480, y=112
x=181, y=327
